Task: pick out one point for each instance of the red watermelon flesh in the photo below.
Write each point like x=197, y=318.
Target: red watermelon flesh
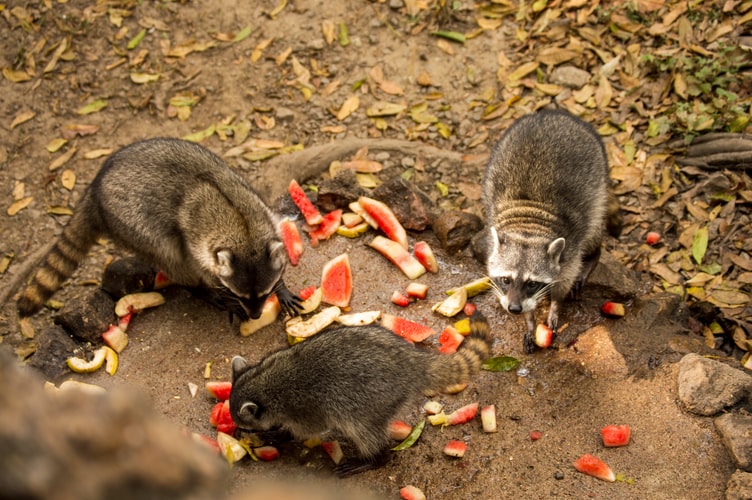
x=425, y=256
x=336, y=281
x=593, y=466
x=449, y=340
x=291, y=238
x=219, y=389
x=307, y=208
x=328, y=227
x=615, y=435
x=412, y=331
x=386, y=219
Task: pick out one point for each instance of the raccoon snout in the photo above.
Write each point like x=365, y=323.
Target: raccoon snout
x=515, y=308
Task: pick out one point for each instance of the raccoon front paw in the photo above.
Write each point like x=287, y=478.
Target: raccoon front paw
x=290, y=303
x=528, y=342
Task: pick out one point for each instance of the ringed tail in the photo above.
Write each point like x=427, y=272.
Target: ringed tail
x=459, y=367
x=59, y=264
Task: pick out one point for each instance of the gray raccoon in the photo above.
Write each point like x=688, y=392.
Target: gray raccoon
x=546, y=197
x=352, y=381
x=178, y=206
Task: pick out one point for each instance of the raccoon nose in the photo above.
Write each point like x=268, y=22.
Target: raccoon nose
x=515, y=308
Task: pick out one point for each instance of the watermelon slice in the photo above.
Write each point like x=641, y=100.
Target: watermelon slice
x=543, y=336
x=593, y=466
x=266, y=453
x=310, y=213
x=652, y=238
x=385, y=219
x=328, y=227
x=469, y=308
x=455, y=448
x=425, y=256
x=223, y=419
x=311, y=303
x=450, y=339
x=291, y=238
x=215, y=413
x=412, y=331
x=400, y=299
x=488, y=418
x=355, y=207
x=399, y=430
x=306, y=293
x=535, y=435
x=408, y=264
x=219, y=389
x=458, y=416
x=411, y=492
x=161, y=280
x=207, y=441
x=615, y=435
x=336, y=281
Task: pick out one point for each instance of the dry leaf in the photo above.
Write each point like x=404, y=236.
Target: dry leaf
x=424, y=79
x=391, y=88
x=259, y=49
x=22, y=117
x=445, y=46
x=19, y=191
x=16, y=76
x=523, y=71
x=552, y=56
x=383, y=108
x=282, y=57
x=333, y=129
x=55, y=144
x=62, y=159
x=142, y=78
x=19, y=205
x=68, y=179
x=329, y=30
x=97, y=153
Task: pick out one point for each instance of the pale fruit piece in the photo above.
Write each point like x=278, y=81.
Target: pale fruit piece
x=355, y=207
x=400, y=257
x=488, y=418
x=334, y=450
x=474, y=287
x=433, y=407
x=311, y=303
x=385, y=219
x=453, y=304
x=230, y=447
x=110, y=361
x=80, y=365
x=297, y=327
x=358, y=319
x=411, y=492
x=269, y=314
x=116, y=338
x=75, y=385
x=134, y=302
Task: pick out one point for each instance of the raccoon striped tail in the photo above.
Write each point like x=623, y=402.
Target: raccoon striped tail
x=71, y=248
x=459, y=367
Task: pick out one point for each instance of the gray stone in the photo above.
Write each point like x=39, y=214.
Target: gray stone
x=54, y=346
x=707, y=386
x=284, y=114
x=739, y=486
x=619, y=281
x=88, y=315
x=736, y=431
x=570, y=76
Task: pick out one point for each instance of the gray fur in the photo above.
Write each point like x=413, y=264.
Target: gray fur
x=545, y=194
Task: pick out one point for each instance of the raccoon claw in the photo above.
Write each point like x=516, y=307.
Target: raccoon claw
x=291, y=304
x=352, y=467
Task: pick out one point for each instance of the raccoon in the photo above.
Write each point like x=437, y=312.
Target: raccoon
x=350, y=380
x=178, y=206
x=545, y=196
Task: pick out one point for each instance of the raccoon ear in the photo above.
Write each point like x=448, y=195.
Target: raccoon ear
x=555, y=248
x=239, y=365
x=223, y=261
x=248, y=410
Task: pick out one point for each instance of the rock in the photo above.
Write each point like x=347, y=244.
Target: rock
x=739, y=486
x=707, y=386
x=570, y=76
x=285, y=114
x=127, y=275
x=339, y=192
x=455, y=229
x=88, y=315
x=54, y=346
x=736, y=431
x=410, y=205
x=87, y=446
x=618, y=281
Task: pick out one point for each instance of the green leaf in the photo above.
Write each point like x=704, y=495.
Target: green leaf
x=700, y=244
x=450, y=35
x=412, y=438
x=343, y=38
x=443, y=188
x=92, y=107
x=136, y=40
x=242, y=34
x=500, y=364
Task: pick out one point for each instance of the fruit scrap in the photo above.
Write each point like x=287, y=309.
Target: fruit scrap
x=400, y=299
x=358, y=319
x=80, y=365
x=455, y=388
x=614, y=309
x=115, y=338
x=353, y=232
x=411, y=492
x=469, y=309
x=417, y=290
x=747, y=361
x=385, y=219
x=474, y=287
x=313, y=301
x=336, y=281
x=269, y=314
x=125, y=321
x=543, y=336
x=425, y=256
x=230, y=448
x=306, y=293
x=399, y=430
x=355, y=207
x=75, y=385
x=398, y=256
x=219, y=389
x=412, y=437
x=310, y=213
x=593, y=466
x=334, y=450
x=351, y=219
x=135, y=302
x=328, y=227
x=411, y=330
x=299, y=328
x=455, y=449
x=463, y=326
x=488, y=418
x=453, y=304
x=652, y=238
x=535, y=435
x=161, y=280
x=458, y=416
x=449, y=340
x=432, y=407
x=266, y=453
x=615, y=435
x=291, y=239
x=110, y=361
x=221, y=418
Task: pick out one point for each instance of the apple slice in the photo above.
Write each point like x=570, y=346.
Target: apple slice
x=453, y=304
x=455, y=448
x=135, y=302
x=310, y=213
x=425, y=256
x=266, y=453
x=299, y=328
x=385, y=219
x=543, y=336
x=432, y=407
x=488, y=418
x=269, y=314
x=115, y=338
x=351, y=219
x=411, y=492
x=336, y=281
x=399, y=430
x=358, y=319
x=613, y=309
x=412, y=331
x=392, y=250
x=353, y=232
x=291, y=239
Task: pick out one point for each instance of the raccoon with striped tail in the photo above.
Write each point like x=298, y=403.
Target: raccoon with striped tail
x=179, y=207
x=545, y=196
x=350, y=380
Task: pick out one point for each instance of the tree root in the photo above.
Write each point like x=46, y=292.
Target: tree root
x=717, y=151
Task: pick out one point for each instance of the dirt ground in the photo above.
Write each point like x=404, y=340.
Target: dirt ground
x=618, y=371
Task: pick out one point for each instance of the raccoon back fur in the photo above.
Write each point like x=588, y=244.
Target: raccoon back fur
x=351, y=380
x=178, y=206
x=545, y=195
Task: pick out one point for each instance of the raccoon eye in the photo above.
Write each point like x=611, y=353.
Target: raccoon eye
x=506, y=280
x=534, y=287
